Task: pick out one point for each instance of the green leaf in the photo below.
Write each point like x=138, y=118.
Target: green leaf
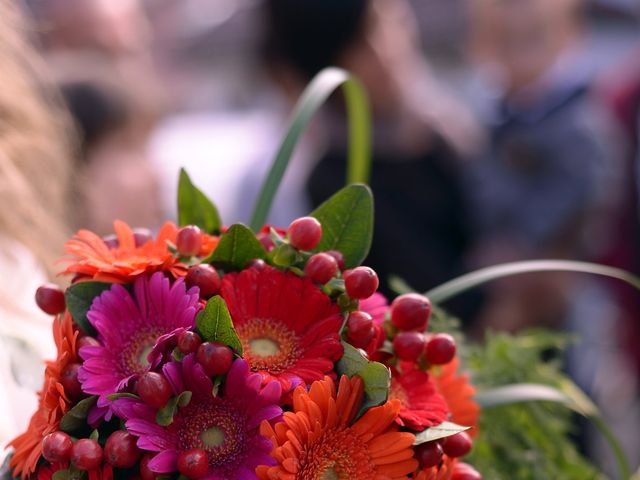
x=165, y=415
x=347, y=223
x=458, y=285
x=79, y=297
x=236, y=247
x=215, y=325
x=376, y=377
x=445, y=429
x=76, y=418
x=116, y=396
x=313, y=97
x=194, y=208
x=60, y=475
x=95, y=435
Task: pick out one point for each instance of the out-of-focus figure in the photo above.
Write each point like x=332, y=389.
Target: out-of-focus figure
x=543, y=185
x=99, y=51
x=35, y=175
x=420, y=131
x=550, y=186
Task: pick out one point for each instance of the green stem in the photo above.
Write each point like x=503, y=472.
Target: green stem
x=313, y=97
x=458, y=285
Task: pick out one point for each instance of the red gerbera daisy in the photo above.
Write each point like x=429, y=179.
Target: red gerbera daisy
x=288, y=327
x=96, y=260
x=422, y=405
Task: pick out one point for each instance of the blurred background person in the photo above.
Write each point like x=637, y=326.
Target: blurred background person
x=35, y=177
x=99, y=52
x=420, y=131
x=552, y=185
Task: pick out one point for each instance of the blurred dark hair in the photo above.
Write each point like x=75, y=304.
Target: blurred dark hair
x=311, y=34
x=95, y=110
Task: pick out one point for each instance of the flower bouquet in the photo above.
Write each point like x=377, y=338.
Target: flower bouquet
x=220, y=352
x=224, y=354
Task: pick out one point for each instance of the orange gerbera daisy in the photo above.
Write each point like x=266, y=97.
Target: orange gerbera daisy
x=96, y=260
x=319, y=440
x=444, y=471
x=458, y=392
x=53, y=403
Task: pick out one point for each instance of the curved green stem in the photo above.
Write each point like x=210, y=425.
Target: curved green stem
x=458, y=285
x=313, y=97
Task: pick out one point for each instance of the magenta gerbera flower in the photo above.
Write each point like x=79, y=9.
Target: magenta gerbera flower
x=288, y=327
x=226, y=427
x=128, y=326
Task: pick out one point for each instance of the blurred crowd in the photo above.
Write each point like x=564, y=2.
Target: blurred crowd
x=503, y=130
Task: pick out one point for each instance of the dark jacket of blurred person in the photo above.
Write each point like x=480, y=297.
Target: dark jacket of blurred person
x=419, y=130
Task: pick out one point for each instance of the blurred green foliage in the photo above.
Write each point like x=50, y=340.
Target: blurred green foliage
x=526, y=441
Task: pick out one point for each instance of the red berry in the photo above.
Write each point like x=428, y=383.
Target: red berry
x=457, y=445
x=321, y=268
x=304, y=233
x=121, y=450
x=87, y=341
x=193, y=463
x=145, y=471
x=338, y=257
x=429, y=454
x=188, y=342
x=86, y=454
x=361, y=282
x=408, y=345
x=189, y=241
x=215, y=357
x=141, y=236
x=70, y=382
x=440, y=349
x=153, y=389
x=206, y=278
x=360, y=329
x=464, y=471
x=411, y=312
x=50, y=299
x=56, y=447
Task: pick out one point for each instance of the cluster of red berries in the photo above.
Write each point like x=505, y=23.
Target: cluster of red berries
x=120, y=450
x=305, y=234
x=410, y=315
x=430, y=454
x=216, y=359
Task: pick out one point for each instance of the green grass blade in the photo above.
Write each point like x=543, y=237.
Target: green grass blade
x=314, y=96
x=466, y=282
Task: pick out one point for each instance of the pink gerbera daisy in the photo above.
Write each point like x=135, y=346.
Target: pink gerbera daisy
x=288, y=327
x=422, y=405
x=128, y=326
x=226, y=427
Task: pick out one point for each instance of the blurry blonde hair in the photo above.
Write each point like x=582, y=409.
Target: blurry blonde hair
x=35, y=161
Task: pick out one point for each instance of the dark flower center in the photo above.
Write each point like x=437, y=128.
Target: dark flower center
x=133, y=359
